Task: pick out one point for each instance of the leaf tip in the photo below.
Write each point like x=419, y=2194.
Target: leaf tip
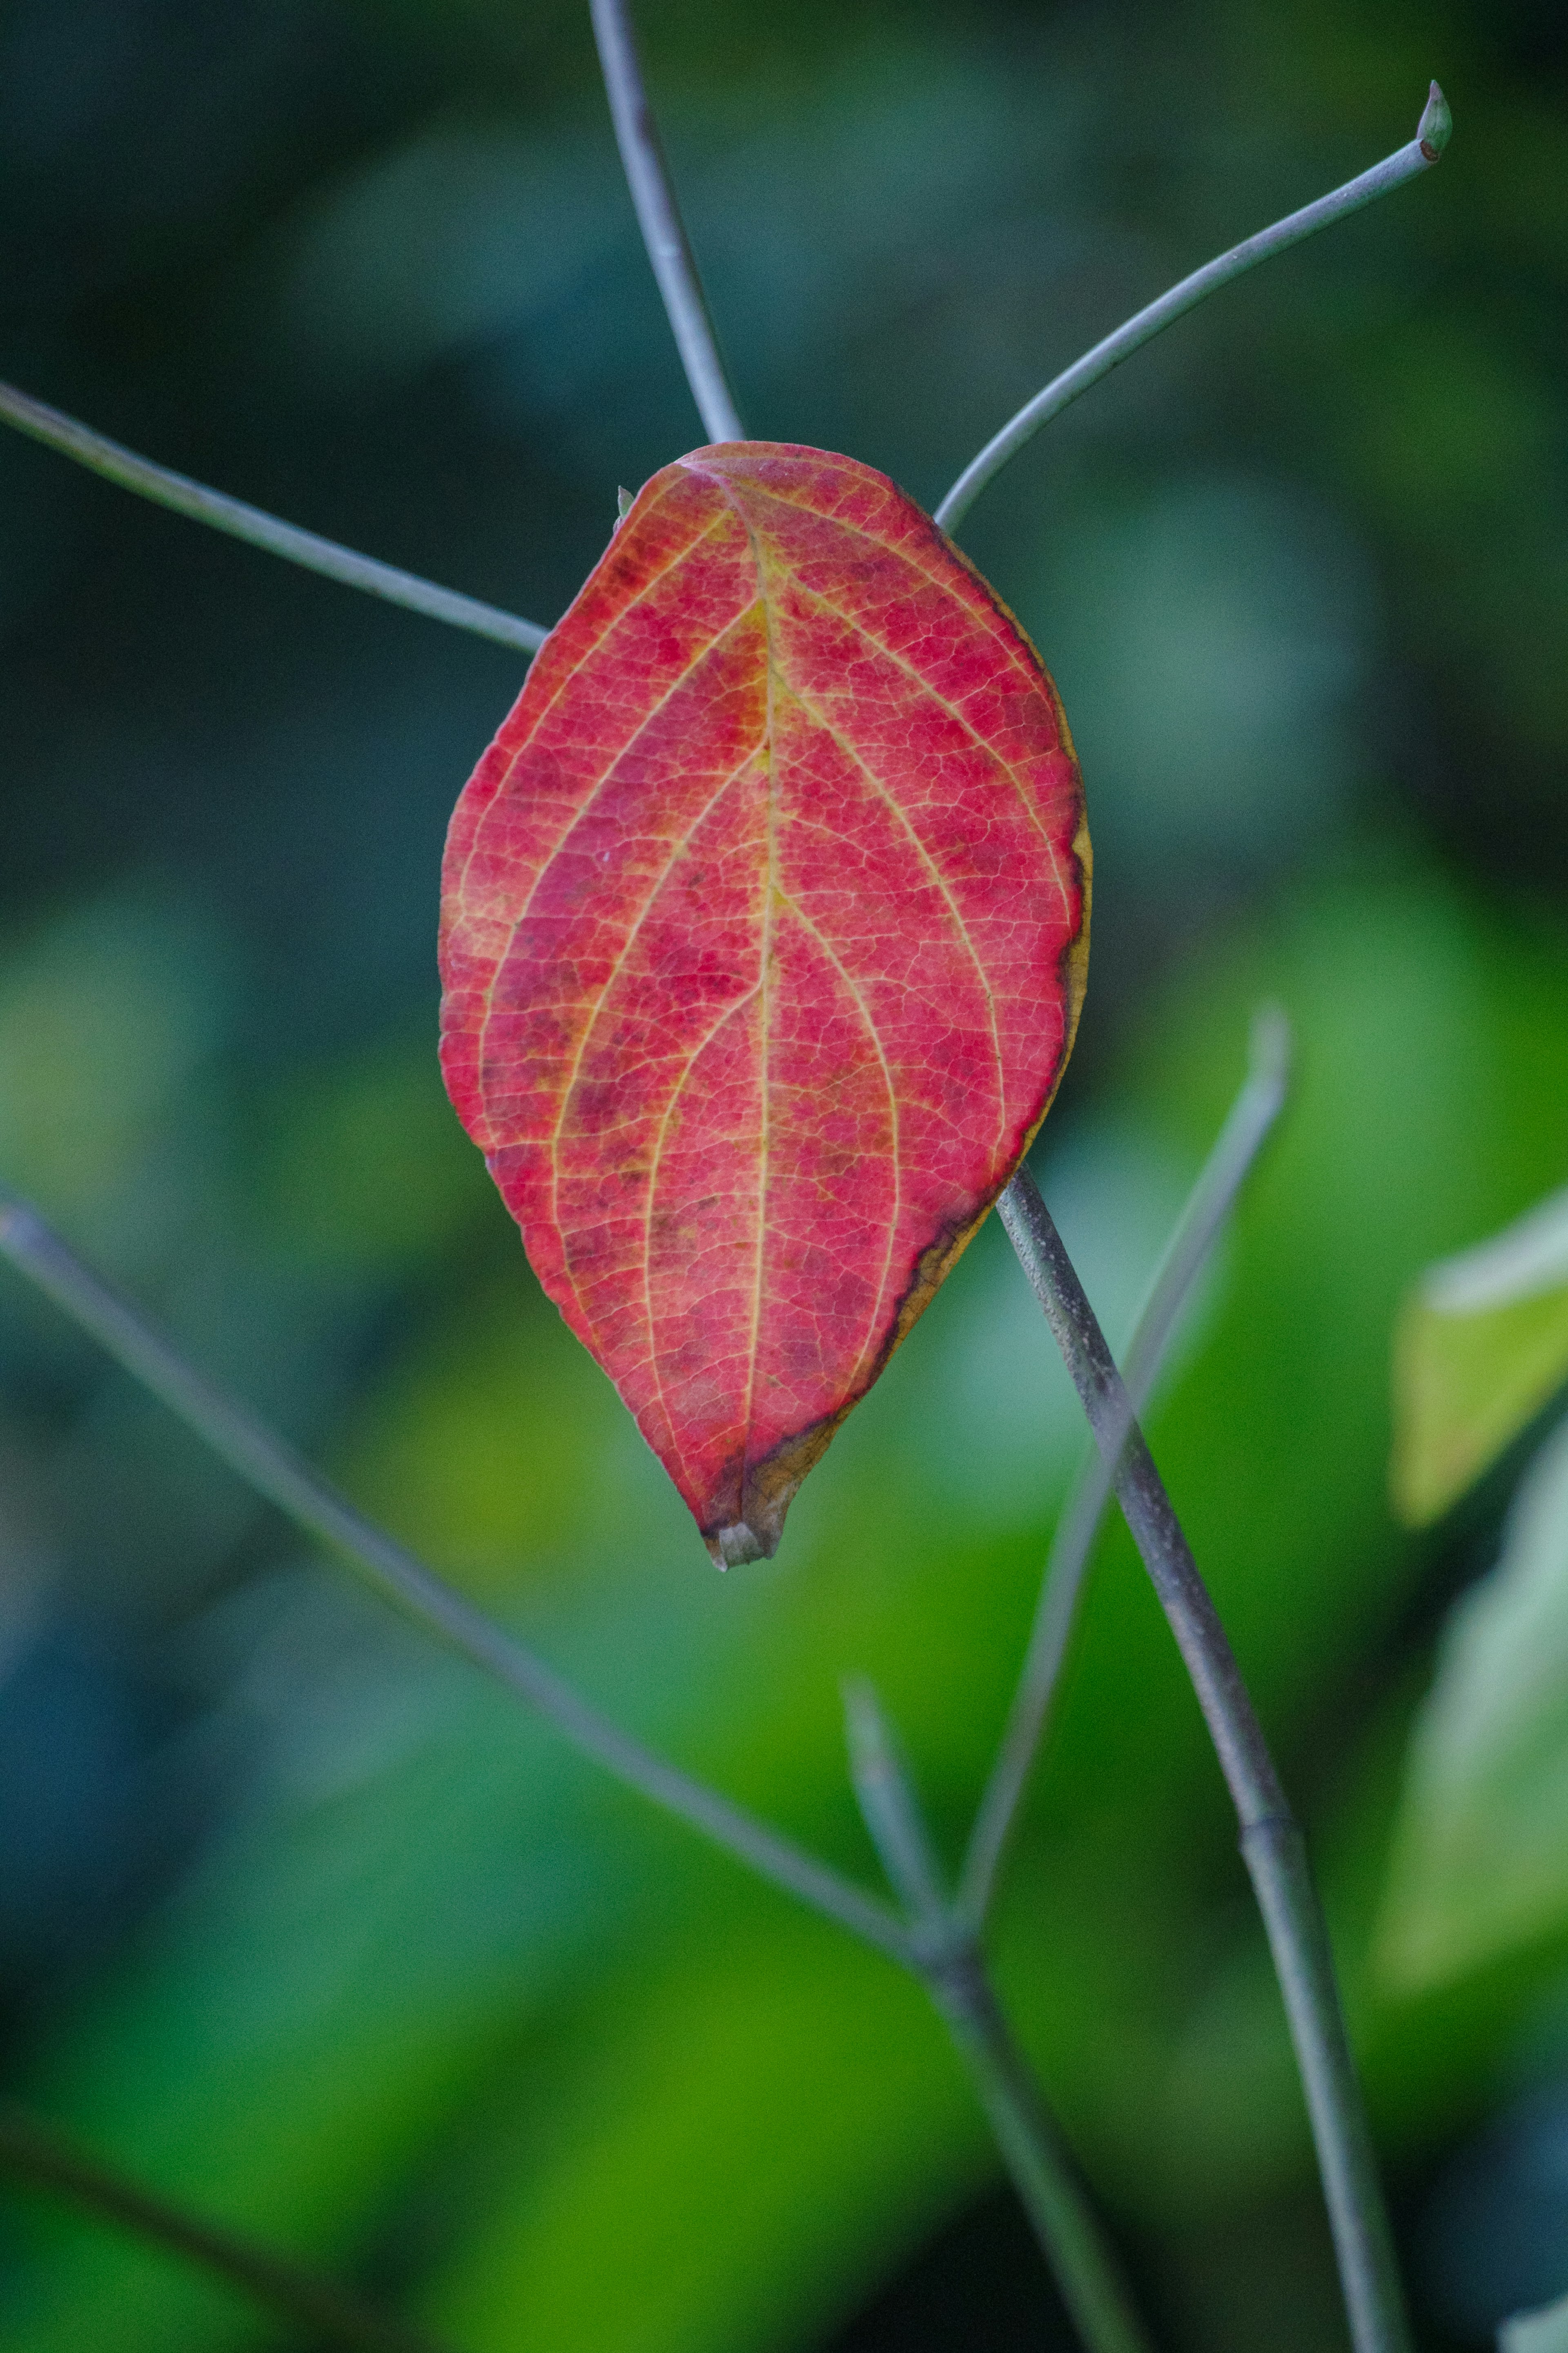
x=1435, y=126
x=735, y=1545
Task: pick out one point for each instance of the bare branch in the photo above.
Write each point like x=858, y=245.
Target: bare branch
x=1407, y=163
x=1203, y=1220
x=183, y=496
x=276, y=1471
x=658, y=216
x=38, y=2155
x=1271, y=1843
x=1038, y=2161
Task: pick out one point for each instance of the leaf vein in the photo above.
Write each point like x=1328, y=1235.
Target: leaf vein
x=872, y=1032
x=962, y=928
x=611, y=977
x=968, y=726
x=567, y=831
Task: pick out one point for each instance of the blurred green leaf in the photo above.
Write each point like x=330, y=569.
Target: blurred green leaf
x=1481, y=1863
x=364, y=1169
x=1482, y=1343
x=753, y=2077
x=1546, y=2331
x=108, y=1014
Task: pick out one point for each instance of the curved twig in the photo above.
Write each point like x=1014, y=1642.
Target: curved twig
x=1419, y=155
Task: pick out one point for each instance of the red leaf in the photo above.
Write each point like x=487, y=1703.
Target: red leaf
x=763, y=937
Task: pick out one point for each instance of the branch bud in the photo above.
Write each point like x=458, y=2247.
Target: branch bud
x=1435, y=126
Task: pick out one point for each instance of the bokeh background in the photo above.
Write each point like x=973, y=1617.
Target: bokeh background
x=300, y=1921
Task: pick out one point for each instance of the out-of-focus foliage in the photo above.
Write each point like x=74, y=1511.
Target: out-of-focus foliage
x=297, y=1919
x=1481, y=1863
x=1536, y=2332
x=1483, y=1343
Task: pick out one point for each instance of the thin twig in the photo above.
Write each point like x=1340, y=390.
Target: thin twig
x=43, y=2158
x=1203, y=1220
x=277, y=1472
x=185, y=497
x=659, y=216
x=890, y=1810
x=953, y=1968
x=1271, y=1843
x=1419, y=155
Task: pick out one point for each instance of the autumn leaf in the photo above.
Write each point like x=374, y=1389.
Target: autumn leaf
x=763, y=936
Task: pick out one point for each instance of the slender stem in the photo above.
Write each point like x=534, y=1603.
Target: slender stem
x=890, y=1809
x=36, y=2153
x=274, y=1469
x=1270, y=1841
x=952, y=1965
x=1202, y=1218
x=1419, y=155
x=1037, y=2158
x=241, y=522
x=658, y=216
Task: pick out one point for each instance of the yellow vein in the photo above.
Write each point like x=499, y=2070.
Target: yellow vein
x=615, y=972
x=581, y=662
x=620, y=612
x=720, y=482
x=996, y=629
x=863, y=1010
x=764, y=1163
x=985, y=608
x=852, y=622
x=884, y=793
x=575, y=820
x=727, y=1015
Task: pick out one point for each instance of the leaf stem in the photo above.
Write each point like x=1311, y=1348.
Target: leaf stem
x=1406, y=163
x=954, y=1969
x=1271, y=1844
x=659, y=216
x=1208, y=1206
x=183, y=496
x=43, y=2157
x=277, y=1472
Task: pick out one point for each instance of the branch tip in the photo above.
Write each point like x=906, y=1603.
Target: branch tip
x=864, y=1725
x=1270, y=1044
x=1415, y=157
x=1435, y=126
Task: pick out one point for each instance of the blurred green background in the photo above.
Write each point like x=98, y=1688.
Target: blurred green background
x=298, y=1919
